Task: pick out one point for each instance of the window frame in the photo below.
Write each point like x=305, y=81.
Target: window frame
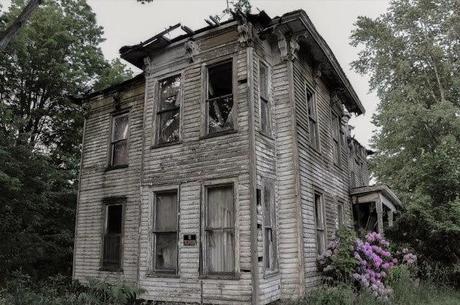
x=204, y=271
x=112, y=142
x=336, y=139
x=273, y=226
x=267, y=99
x=106, y=203
x=153, y=233
x=323, y=229
x=341, y=214
x=205, y=100
x=156, y=112
x=313, y=117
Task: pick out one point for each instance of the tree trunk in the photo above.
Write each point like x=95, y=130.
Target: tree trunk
x=13, y=29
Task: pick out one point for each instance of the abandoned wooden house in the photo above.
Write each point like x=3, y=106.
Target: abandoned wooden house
x=219, y=174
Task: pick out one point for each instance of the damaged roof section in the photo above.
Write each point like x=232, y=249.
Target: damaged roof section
x=295, y=24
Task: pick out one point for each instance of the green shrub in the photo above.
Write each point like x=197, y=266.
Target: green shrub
x=338, y=264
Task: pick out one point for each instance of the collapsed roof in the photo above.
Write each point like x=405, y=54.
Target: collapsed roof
x=296, y=23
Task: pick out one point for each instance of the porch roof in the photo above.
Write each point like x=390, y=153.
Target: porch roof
x=373, y=193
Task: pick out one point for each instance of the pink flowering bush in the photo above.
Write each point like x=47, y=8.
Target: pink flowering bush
x=374, y=263
x=366, y=262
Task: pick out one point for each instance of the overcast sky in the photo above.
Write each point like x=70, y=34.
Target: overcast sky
x=128, y=22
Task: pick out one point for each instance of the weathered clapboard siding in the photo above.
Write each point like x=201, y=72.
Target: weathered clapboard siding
x=317, y=170
x=289, y=260
x=189, y=164
x=247, y=158
x=97, y=183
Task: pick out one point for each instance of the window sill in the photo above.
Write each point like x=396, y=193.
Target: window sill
x=223, y=276
x=218, y=134
x=114, y=167
x=165, y=144
x=111, y=269
x=157, y=274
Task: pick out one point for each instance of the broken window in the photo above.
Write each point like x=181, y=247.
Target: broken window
x=312, y=119
x=220, y=230
x=264, y=101
x=168, y=113
x=219, y=103
x=336, y=138
x=112, y=236
x=270, y=255
x=119, y=141
x=165, y=232
x=320, y=224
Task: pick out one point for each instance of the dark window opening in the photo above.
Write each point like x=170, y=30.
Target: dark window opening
x=320, y=224
x=168, y=113
x=270, y=255
x=264, y=100
x=219, y=103
x=336, y=139
x=312, y=119
x=112, y=236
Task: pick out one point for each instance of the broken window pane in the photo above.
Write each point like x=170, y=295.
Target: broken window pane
x=220, y=80
x=312, y=119
x=114, y=216
x=220, y=230
x=119, y=142
x=169, y=110
x=220, y=108
x=169, y=126
x=221, y=115
x=165, y=231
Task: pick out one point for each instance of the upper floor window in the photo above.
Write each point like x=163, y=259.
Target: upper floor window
x=264, y=100
x=119, y=140
x=219, y=230
x=220, y=109
x=312, y=118
x=111, y=258
x=320, y=224
x=165, y=226
x=336, y=138
x=168, y=111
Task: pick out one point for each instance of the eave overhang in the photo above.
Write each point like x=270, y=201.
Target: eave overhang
x=299, y=25
x=364, y=191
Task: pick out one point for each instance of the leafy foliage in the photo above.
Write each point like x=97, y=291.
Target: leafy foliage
x=338, y=264
x=60, y=290
x=412, y=56
x=54, y=56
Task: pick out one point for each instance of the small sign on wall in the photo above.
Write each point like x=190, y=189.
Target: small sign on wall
x=189, y=240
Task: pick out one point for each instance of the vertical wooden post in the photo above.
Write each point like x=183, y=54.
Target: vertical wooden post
x=379, y=208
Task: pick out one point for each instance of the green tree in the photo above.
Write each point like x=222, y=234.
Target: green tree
x=55, y=55
x=412, y=56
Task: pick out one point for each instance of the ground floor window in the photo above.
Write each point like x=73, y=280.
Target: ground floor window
x=270, y=252
x=219, y=230
x=113, y=225
x=320, y=224
x=165, y=226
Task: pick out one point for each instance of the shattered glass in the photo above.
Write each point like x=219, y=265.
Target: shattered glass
x=220, y=114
